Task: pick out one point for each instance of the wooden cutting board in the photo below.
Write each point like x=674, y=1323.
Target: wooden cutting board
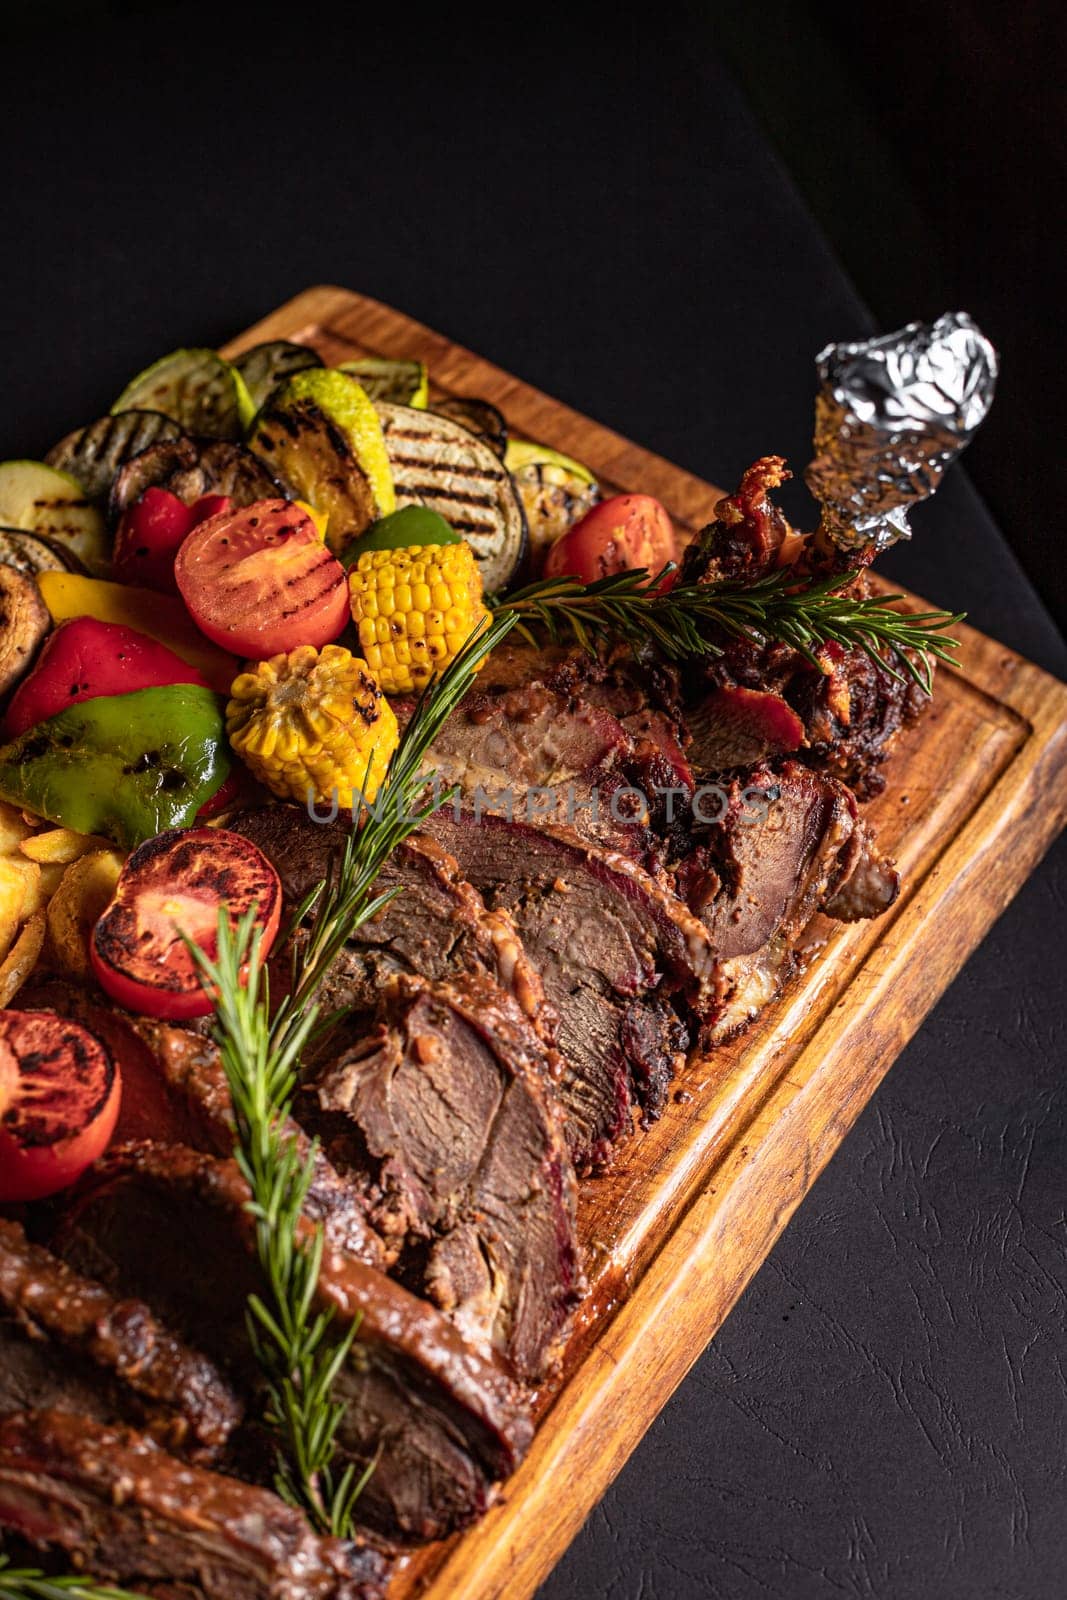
x=976, y=793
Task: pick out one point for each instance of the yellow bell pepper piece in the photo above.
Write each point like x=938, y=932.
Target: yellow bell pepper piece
x=162, y=617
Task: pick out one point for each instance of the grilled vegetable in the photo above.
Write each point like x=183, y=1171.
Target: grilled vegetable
x=24, y=621
x=265, y=366
x=38, y=499
x=59, y=1102
x=404, y=382
x=321, y=436
x=555, y=491
x=190, y=469
x=124, y=766
x=152, y=532
x=628, y=530
x=161, y=616
x=313, y=725
x=84, y=659
x=414, y=610
x=260, y=581
x=413, y=525
x=93, y=455
x=29, y=554
x=203, y=393
x=478, y=417
x=437, y=463
x=171, y=886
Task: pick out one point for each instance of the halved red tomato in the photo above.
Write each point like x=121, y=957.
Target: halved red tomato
x=627, y=530
x=59, y=1100
x=173, y=885
x=260, y=580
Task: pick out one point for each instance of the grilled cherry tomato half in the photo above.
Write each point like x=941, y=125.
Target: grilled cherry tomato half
x=151, y=532
x=85, y=660
x=59, y=1100
x=260, y=581
x=171, y=885
x=628, y=530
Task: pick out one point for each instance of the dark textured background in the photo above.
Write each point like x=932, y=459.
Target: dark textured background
x=597, y=209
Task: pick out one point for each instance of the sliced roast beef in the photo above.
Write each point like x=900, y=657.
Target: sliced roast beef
x=786, y=842
x=441, y=1113
x=536, y=755
x=67, y=1342
x=871, y=887
x=441, y=1422
x=120, y=1507
x=435, y=926
x=615, y=949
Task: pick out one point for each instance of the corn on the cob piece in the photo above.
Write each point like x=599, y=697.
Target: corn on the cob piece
x=312, y=722
x=414, y=609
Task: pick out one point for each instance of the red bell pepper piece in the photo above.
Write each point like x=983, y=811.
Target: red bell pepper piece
x=83, y=659
x=151, y=533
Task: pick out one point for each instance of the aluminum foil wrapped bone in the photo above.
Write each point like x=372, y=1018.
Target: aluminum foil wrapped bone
x=890, y=415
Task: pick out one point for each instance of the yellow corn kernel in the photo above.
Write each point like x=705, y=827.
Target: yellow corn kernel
x=313, y=722
x=414, y=609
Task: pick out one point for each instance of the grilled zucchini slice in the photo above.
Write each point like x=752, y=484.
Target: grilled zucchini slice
x=555, y=491
x=201, y=392
x=38, y=499
x=190, y=468
x=29, y=554
x=93, y=455
x=479, y=417
x=321, y=437
x=267, y=365
x=404, y=383
x=437, y=463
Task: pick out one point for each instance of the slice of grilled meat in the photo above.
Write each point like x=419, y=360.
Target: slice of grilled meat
x=442, y=1423
x=621, y=958
x=120, y=1507
x=65, y=1341
x=436, y=925
x=441, y=1111
x=787, y=843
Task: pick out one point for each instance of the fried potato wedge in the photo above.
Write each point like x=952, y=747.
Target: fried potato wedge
x=59, y=845
x=13, y=828
x=85, y=889
x=21, y=958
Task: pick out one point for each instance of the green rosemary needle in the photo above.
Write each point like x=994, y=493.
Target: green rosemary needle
x=695, y=619
x=30, y=1583
x=295, y=1346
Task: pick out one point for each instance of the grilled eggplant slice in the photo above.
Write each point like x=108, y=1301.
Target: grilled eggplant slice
x=38, y=499
x=94, y=455
x=201, y=392
x=437, y=463
x=405, y=383
x=190, y=468
x=321, y=435
x=267, y=365
x=480, y=417
x=24, y=621
x=29, y=554
x=555, y=491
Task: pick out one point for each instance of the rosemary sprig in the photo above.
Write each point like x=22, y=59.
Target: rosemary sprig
x=294, y=1345
x=691, y=619
x=30, y=1583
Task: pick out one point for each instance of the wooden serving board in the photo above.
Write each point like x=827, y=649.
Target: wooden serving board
x=976, y=793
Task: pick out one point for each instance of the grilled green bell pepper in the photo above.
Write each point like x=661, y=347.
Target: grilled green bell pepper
x=125, y=766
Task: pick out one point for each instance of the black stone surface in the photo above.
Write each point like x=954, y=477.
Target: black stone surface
x=592, y=207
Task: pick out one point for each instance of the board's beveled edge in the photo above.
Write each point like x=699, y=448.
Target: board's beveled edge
x=711, y=1248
